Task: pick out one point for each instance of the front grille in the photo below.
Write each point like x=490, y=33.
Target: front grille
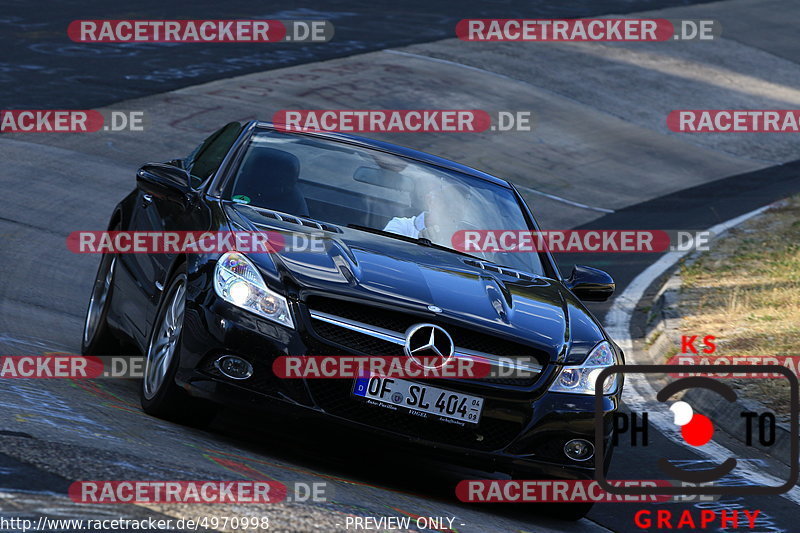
x=368, y=345
x=398, y=322
x=335, y=396
x=491, y=434
x=358, y=342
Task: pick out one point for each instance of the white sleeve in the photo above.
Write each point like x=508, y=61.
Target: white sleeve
x=402, y=226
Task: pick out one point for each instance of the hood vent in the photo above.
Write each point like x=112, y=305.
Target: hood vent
x=491, y=267
x=300, y=221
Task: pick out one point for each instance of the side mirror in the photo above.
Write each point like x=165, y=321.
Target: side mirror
x=164, y=181
x=590, y=284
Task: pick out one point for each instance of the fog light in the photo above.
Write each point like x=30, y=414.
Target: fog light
x=234, y=367
x=579, y=450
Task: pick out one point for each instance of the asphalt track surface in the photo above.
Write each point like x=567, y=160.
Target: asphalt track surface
x=42, y=68
x=54, y=433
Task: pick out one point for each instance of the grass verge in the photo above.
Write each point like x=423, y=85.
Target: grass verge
x=746, y=292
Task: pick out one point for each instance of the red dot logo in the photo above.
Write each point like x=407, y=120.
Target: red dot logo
x=696, y=429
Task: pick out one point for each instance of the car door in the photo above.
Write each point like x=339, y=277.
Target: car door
x=158, y=214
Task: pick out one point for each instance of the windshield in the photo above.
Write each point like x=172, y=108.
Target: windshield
x=353, y=186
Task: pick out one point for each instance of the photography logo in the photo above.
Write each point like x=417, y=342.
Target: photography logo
x=696, y=429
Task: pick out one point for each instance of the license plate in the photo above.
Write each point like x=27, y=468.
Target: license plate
x=422, y=400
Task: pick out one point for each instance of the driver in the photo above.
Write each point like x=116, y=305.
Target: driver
x=442, y=209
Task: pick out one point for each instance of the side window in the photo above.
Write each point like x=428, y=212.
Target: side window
x=206, y=158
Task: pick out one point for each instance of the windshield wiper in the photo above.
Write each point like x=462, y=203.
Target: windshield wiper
x=422, y=241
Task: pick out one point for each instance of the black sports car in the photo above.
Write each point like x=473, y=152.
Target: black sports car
x=212, y=324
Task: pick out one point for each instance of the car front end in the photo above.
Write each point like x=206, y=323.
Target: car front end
x=362, y=296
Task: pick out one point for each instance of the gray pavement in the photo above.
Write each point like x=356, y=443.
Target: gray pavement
x=600, y=140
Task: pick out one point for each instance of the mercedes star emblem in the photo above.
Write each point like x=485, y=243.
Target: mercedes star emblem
x=427, y=341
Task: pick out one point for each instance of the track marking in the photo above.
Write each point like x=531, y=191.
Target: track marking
x=503, y=76
x=456, y=64
x=564, y=200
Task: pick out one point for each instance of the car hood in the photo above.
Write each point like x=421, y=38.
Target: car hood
x=537, y=311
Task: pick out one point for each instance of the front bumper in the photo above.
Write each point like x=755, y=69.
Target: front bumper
x=520, y=430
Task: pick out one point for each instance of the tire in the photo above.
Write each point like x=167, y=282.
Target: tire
x=160, y=395
x=97, y=337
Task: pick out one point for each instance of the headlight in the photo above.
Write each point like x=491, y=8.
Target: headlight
x=581, y=379
x=237, y=281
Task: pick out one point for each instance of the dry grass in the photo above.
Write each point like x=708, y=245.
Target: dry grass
x=746, y=292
